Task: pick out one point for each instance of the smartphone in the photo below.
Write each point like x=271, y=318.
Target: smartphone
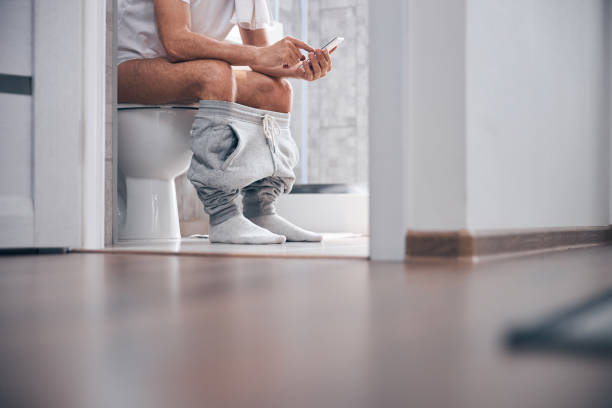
x=336, y=41
x=333, y=43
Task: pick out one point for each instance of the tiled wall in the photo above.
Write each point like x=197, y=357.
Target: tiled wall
x=337, y=111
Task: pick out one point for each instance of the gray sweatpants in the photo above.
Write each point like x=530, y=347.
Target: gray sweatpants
x=237, y=149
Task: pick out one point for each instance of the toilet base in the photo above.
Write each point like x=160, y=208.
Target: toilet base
x=151, y=211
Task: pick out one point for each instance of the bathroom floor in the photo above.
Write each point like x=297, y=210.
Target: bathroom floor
x=340, y=245
x=122, y=330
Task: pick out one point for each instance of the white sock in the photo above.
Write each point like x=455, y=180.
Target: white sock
x=239, y=230
x=279, y=225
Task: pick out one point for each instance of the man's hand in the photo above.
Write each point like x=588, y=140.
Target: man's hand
x=285, y=53
x=320, y=64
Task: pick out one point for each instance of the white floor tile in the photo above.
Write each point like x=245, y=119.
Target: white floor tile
x=333, y=245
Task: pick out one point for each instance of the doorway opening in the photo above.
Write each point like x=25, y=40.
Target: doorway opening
x=329, y=123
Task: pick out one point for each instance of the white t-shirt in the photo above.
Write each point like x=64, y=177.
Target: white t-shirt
x=137, y=35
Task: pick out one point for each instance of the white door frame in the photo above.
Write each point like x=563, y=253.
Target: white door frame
x=388, y=121
x=417, y=132
x=68, y=152
x=389, y=173
x=94, y=104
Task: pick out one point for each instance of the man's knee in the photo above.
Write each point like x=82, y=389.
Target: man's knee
x=282, y=95
x=285, y=94
x=215, y=81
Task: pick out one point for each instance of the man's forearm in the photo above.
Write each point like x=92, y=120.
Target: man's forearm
x=278, y=72
x=189, y=46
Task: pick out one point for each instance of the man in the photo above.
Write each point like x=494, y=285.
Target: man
x=171, y=51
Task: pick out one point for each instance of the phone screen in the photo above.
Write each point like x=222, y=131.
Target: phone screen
x=329, y=42
x=334, y=43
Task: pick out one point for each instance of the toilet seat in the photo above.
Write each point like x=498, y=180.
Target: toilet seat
x=126, y=106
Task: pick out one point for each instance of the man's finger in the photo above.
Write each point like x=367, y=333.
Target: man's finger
x=301, y=44
x=328, y=60
x=326, y=56
x=307, y=71
x=322, y=64
x=314, y=62
x=295, y=53
x=310, y=75
x=301, y=70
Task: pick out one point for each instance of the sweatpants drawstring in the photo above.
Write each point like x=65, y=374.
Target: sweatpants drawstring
x=271, y=130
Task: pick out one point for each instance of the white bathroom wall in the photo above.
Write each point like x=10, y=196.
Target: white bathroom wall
x=503, y=121
x=16, y=29
x=537, y=113
x=436, y=115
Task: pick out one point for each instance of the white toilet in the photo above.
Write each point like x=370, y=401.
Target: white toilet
x=153, y=148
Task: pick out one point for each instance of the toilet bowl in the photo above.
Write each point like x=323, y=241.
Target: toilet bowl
x=153, y=148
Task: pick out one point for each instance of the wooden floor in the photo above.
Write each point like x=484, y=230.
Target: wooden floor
x=119, y=330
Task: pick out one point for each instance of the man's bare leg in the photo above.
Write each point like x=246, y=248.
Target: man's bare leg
x=263, y=92
x=158, y=81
